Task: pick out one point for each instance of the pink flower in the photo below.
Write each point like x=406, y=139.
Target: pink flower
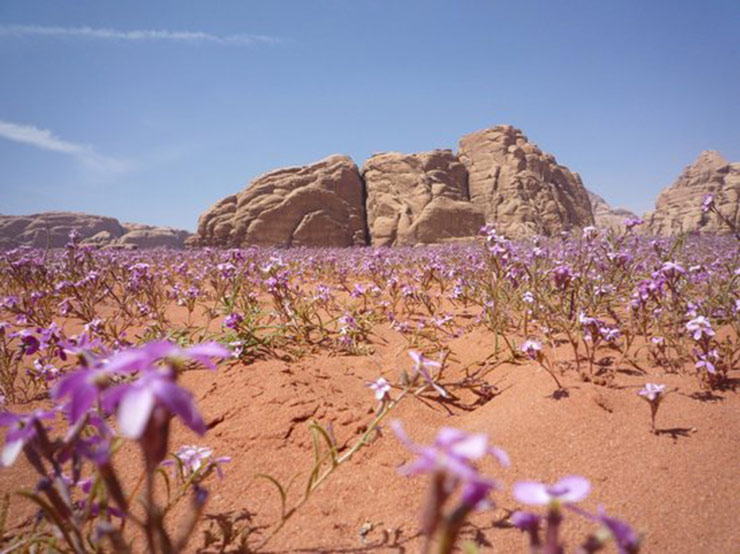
x=566, y=491
x=381, y=387
x=420, y=367
x=700, y=327
x=652, y=392
x=532, y=348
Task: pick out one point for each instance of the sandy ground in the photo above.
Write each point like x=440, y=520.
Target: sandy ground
x=680, y=487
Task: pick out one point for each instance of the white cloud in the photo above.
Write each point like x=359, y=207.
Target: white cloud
x=135, y=35
x=45, y=139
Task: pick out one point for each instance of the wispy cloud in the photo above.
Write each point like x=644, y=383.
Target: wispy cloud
x=134, y=35
x=45, y=139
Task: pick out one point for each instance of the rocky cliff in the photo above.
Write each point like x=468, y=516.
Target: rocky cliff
x=520, y=189
x=321, y=204
x=51, y=230
x=497, y=177
x=678, y=208
x=418, y=199
x=607, y=217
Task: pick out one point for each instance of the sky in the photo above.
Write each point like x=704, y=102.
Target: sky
x=151, y=111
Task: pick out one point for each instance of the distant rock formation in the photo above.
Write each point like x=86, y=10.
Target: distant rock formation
x=678, y=208
x=51, y=230
x=520, y=189
x=498, y=177
x=418, y=199
x=320, y=204
x=607, y=217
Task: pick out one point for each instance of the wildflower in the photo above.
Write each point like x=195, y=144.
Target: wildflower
x=22, y=429
x=566, y=491
x=381, y=387
x=562, y=276
x=29, y=343
x=233, y=320
x=700, y=327
x=706, y=361
x=707, y=203
x=528, y=297
x=672, y=270
x=652, y=391
x=654, y=395
x=627, y=540
x=590, y=233
x=192, y=459
x=137, y=400
x=526, y=521
x=420, y=367
x=632, y=222
x=532, y=348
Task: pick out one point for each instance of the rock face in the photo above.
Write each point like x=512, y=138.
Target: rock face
x=418, y=199
x=520, y=189
x=678, y=208
x=320, y=204
x=149, y=236
x=497, y=177
x=51, y=230
x=607, y=217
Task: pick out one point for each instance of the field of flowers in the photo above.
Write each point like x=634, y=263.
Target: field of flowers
x=571, y=394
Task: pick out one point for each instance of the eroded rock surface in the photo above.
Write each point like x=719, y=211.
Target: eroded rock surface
x=51, y=230
x=607, y=217
x=320, y=204
x=520, y=189
x=418, y=199
x=678, y=208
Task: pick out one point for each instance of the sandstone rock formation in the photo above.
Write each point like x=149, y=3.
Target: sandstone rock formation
x=418, y=199
x=678, y=208
x=149, y=236
x=51, y=230
x=320, y=204
x=520, y=189
x=607, y=217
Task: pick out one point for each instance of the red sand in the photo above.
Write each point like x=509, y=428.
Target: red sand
x=680, y=488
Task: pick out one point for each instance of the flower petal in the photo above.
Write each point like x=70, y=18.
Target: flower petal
x=531, y=492
x=134, y=411
x=180, y=402
x=576, y=487
x=10, y=452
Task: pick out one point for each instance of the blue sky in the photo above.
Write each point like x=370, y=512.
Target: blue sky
x=152, y=111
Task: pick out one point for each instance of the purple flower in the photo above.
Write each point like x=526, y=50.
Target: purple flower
x=83, y=388
x=566, y=491
x=136, y=402
x=193, y=458
x=21, y=430
x=381, y=387
x=142, y=358
x=633, y=222
x=420, y=367
x=707, y=203
x=627, y=540
x=526, y=521
x=562, y=276
x=453, y=451
x=699, y=327
x=672, y=270
x=652, y=391
x=29, y=343
x=233, y=320
x=590, y=233
x=532, y=348
x=705, y=363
